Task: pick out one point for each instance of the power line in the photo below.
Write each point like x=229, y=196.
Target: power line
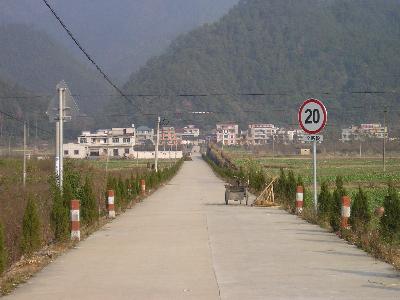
x=87, y=54
x=23, y=122
x=202, y=95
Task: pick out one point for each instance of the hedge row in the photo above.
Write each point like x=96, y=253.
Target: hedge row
x=76, y=186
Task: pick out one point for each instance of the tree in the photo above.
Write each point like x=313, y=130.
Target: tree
x=390, y=222
x=88, y=203
x=31, y=239
x=324, y=202
x=336, y=205
x=360, y=212
x=291, y=185
x=3, y=251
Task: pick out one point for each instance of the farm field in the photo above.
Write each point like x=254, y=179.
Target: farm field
x=366, y=172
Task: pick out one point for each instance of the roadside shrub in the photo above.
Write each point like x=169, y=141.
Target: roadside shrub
x=89, y=208
x=360, y=212
x=31, y=238
x=390, y=222
x=281, y=185
x=336, y=205
x=3, y=251
x=324, y=202
x=290, y=191
x=60, y=211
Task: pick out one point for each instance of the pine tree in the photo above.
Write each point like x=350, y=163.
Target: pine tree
x=88, y=203
x=336, y=205
x=3, y=251
x=31, y=238
x=324, y=202
x=290, y=191
x=390, y=222
x=360, y=212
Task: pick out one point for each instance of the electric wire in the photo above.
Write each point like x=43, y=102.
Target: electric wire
x=92, y=61
x=10, y=116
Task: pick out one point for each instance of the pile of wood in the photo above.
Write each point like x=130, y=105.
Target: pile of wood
x=267, y=197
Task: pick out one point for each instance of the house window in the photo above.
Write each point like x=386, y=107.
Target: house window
x=127, y=140
x=115, y=152
x=76, y=152
x=126, y=150
x=93, y=140
x=115, y=140
x=83, y=141
x=66, y=152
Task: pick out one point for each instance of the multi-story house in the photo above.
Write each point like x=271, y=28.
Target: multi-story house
x=355, y=133
x=144, y=135
x=117, y=142
x=227, y=133
x=168, y=136
x=261, y=134
x=189, y=135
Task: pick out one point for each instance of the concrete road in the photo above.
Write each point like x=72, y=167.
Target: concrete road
x=184, y=243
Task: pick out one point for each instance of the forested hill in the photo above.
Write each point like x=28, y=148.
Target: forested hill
x=33, y=60
x=287, y=49
x=15, y=101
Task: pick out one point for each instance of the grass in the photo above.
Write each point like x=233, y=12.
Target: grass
x=128, y=164
x=366, y=172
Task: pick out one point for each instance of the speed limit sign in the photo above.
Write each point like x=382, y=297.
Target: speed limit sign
x=312, y=116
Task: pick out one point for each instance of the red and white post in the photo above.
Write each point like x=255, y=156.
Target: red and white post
x=75, y=220
x=143, y=186
x=346, y=201
x=111, y=204
x=299, y=200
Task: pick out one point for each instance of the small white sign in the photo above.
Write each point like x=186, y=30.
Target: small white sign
x=313, y=138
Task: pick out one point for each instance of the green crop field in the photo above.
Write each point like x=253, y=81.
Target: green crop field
x=366, y=172
x=128, y=164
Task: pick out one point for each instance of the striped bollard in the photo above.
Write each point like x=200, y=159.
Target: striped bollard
x=143, y=186
x=299, y=200
x=344, y=224
x=110, y=204
x=75, y=221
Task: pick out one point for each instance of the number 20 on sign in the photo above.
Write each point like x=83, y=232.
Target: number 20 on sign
x=312, y=119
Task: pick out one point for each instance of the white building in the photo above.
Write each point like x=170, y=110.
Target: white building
x=260, y=134
x=227, y=133
x=355, y=133
x=118, y=142
x=144, y=135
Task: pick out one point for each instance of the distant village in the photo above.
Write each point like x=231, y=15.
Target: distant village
x=139, y=142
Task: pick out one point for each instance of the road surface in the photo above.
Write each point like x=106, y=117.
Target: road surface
x=184, y=243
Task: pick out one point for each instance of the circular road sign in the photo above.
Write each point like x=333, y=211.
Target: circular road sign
x=312, y=116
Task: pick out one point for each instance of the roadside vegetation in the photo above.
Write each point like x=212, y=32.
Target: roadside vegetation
x=375, y=205
x=36, y=218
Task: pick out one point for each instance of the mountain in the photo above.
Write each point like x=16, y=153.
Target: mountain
x=35, y=61
x=15, y=101
x=121, y=34
x=336, y=50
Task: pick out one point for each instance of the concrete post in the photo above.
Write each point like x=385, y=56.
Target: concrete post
x=299, y=200
x=75, y=220
x=345, y=212
x=111, y=204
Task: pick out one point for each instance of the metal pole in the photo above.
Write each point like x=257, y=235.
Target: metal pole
x=315, y=175
x=384, y=140
x=9, y=146
x=360, y=148
x=24, y=171
x=273, y=145
x=57, y=160
x=61, y=135
x=157, y=142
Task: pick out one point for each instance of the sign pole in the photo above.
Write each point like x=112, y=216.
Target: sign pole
x=315, y=175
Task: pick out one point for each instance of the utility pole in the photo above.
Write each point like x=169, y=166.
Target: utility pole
x=384, y=139
x=157, y=142
x=57, y=162
x=61, y=135
x=24, y=169
x=36, y=134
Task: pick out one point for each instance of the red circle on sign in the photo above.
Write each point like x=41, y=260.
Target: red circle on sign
x=322, y=106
